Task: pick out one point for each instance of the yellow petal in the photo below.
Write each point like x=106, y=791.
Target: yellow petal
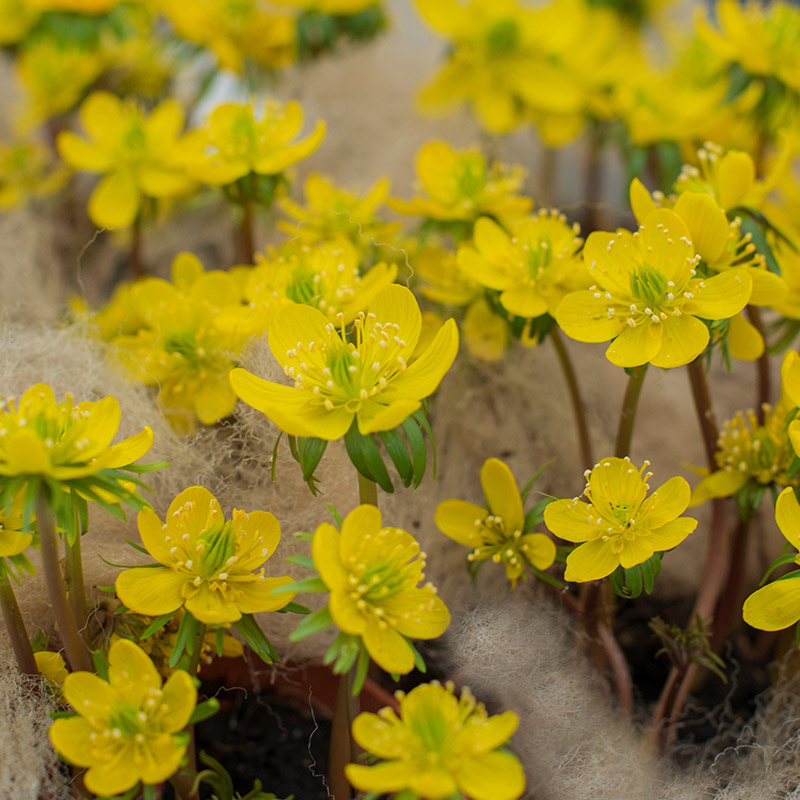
x=418, y=613
x=374, y=417
x=70, y=738
x=101, y=115
x=723, y=295
x=82, y=155
x=131, y=673
x=186, y=269
x=672, y=534
x=790, y=376
x=641, y=201
x=489, y=734
x=387, y=648
x=256, y=597
x=325, y=552
x=590, y=562
x=26, y=454
x=483, y=270
x=380, y=737
x=214, y=400
x=635, y=551
x=502, y=494
x=735, y=177
x=492, y=776
x=774, y=606
x=390, y=776
x=538, y=549
x=722, y=483
x=584, y=317
x=115, y=776
x=115, y=201
x=129, y=450
x=636, y=346
x=345, y=614
x=768, y=288
x=275, y=162
x=671, y=500
x=152, y=591
x=744, y=341
x=456, y=519
x=683, y=339
x=423, y=376
x=787, y=515
x=88, y=694
x=397, y=304
x=707, y=224
x=524, y=300
x=568, y=519
x=211, y=607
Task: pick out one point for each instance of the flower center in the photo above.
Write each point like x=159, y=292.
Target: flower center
x=127, y=719
x=470, y=175
x=215, y=547
x=352, y=373
x=649, y=286
x=502, y=38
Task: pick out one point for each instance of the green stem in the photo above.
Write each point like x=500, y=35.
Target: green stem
x=138, y=269
x=764, y=392
x=367, y=491
x=547, y=176
x=77, y=652
x=705, y=412
x=343, y=749
x=76, y=588
x=578, y=407
x=245, y=236
x=197, y=650
x=16, y=628
x=627, y=418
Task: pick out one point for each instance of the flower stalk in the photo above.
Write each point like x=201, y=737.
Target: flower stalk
x=75, y=647
x=76, y=586
x=764, y=384
x=630, y=405
x=16, y=628
x=578, y=407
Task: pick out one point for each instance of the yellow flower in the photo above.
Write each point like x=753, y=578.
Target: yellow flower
x=53, y=669
x=337, y=382
x=337, y=7
x=443, y=281
x=647, y=298
x=192, y=332
x=43, y=437
x=497, y=533
x=234, y=142
x=491, y=43
x=41, y=67
x=28, y=170
x=777, y=605
x=533, y=266
x=372, y=573
x=137, y=155
x=790, y=375
x=325, y=276
x=486, y=334
x=17, y=17
x=207, y=563
x=460, y=185
x=620, y=525
x=763, y=38
x=89, y=7
x=129, y=728
x=438, y=747
x=235, y=30
x=15, y=535
x=331, y=212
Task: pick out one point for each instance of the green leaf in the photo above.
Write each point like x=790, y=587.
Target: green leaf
x=204, y=710
x=144, y=469
x=422, y=420
x=311, y=451
x=366, y=458
x=274, y=465
x=312, y=624
x=535, y=477
x=157, y=624
x=419, y=451
x=100, y=664
x=419, y=661
x=187, y=631
x=301, y=561
x=633, y=581
x=315, y=584
x=396, y=448
x=337, y=517
x=361, y=671
x=256, y=638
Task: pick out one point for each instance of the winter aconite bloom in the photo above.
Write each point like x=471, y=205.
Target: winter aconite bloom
x=777, y=605
x=128, y=729
x=533, y=267
x=337, y=381
x=462, y=185
x=372, y=573
x=438, y=747
x=236, y=141
x=207, y=563
x=647, y=297
x=620, y=525
x=331, y=212
x=60, y=441
x=497, y=533
x=136, y=153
